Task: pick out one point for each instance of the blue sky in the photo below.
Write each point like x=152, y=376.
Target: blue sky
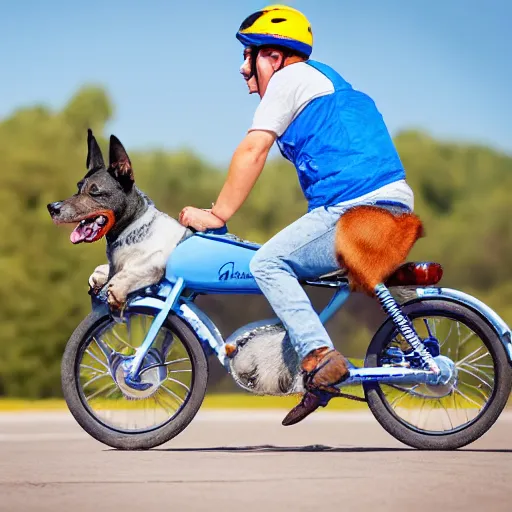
x=171, y=68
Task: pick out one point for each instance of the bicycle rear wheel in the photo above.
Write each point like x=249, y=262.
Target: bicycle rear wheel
x=452, y=415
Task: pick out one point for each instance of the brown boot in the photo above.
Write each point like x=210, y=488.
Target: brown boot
x=310, y=402
x=323, y=368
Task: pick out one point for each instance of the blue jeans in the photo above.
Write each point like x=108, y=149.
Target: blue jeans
x=304, y=249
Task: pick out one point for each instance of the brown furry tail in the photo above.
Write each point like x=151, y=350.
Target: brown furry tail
x=372, y=242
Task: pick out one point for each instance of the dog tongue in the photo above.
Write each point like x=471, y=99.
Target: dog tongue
x=86, y=232
x=80, y=233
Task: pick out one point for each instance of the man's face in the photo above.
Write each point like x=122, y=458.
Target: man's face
x=246, y=70
x=267, y=63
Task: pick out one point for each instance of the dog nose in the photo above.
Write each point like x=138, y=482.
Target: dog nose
x=54, y=208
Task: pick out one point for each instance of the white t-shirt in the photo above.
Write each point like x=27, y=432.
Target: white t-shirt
x=289, y=90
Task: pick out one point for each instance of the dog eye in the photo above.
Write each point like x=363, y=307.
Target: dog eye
x=94, y=190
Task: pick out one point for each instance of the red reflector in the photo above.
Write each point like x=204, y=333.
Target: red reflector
x=416, y=274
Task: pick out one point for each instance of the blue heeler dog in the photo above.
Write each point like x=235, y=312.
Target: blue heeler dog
x=139, y=237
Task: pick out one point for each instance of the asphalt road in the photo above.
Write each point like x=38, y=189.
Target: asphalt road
x=245, y=461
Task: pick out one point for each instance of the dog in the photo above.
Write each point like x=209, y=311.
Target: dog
x=139, y=237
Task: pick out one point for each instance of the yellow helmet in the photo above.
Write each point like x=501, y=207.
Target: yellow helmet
x=277, y=25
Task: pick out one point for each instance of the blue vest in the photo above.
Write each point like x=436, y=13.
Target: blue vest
x=340, y=145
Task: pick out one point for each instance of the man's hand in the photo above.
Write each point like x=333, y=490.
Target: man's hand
x=198, y=219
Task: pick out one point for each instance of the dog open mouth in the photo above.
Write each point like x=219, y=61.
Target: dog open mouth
x=92, y=228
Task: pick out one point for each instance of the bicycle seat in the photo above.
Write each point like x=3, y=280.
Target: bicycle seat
x=334, y=277
x=425, y=273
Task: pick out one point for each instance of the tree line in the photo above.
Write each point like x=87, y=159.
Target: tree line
x=461, y=194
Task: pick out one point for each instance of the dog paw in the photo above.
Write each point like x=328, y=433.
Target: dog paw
x=116, y=298
x=98, y=278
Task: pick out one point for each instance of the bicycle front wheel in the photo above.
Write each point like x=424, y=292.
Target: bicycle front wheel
x=173, y=379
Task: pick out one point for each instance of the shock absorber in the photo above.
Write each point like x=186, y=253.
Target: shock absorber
x=405, y=327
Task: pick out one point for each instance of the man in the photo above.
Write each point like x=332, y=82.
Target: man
x=344, y=156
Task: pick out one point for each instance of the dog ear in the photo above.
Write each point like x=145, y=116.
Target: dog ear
x=119, y=164
x=94, y=156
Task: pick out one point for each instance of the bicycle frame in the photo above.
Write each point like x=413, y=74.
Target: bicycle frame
x=228, y=272
x=168, y=297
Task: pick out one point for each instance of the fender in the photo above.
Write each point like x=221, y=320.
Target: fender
x=488, y=314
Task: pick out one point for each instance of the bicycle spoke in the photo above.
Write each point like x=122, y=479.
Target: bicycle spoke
x=96, y=359
x=463, y=360
x=110, y=393
x=459, y=392
x=473, y=361
x=82, y=365
x=104, y=388
x=160, y=402
x=420, y=411
x=398, y=399
x=458, y=344
x=476, y=388
x=428, y=416
x=123, y=341
x=467, y=338
x=172, y=393
x=94, y=379
x=445, y=410
x=447, y=337
x=176, y=361
x=179, y=383
x=464, y=370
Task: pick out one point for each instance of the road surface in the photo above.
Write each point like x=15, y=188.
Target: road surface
x=245, y=461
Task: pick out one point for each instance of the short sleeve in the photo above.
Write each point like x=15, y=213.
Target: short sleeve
x=277, y=107
x=288, y=92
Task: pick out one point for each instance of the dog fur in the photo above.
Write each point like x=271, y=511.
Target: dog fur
x=262, y=359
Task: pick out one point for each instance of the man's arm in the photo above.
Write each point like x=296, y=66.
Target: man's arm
x=245, y=168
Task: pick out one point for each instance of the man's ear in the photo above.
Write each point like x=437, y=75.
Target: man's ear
x=94, y=156
x=120, y=166
x=277, y=60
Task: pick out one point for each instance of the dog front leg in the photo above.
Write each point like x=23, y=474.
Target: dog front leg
x=129, y=280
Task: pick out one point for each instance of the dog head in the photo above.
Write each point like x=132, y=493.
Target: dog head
x=104, y=194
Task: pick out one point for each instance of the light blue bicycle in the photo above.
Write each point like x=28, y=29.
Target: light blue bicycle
x=437, y=373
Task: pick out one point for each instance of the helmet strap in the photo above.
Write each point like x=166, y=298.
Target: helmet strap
x=254, y=70
x=286, y=55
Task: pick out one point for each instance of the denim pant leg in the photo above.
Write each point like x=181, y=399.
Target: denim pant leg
x=304, y=249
